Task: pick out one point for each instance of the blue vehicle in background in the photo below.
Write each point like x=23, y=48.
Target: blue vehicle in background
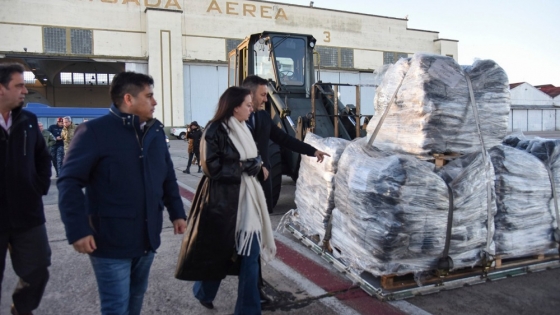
x=48, y=115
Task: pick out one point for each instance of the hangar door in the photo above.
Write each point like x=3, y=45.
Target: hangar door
x=203, y=85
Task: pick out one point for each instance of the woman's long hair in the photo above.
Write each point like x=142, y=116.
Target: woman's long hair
x=230, y=99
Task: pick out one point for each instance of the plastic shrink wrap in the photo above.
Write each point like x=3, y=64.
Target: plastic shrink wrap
x=432, y=112
x=315, y=185
x=391, y=211
x=526, y=216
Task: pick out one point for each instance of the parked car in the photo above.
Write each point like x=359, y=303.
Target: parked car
x=179, y=133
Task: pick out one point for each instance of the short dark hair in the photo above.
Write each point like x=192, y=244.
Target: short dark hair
x=6, y=71
x=230, y=99
x=128, y=83
x=252, y=82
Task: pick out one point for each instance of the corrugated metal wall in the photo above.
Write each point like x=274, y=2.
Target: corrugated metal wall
x=534, y=118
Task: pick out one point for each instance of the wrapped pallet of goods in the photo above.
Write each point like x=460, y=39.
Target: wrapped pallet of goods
x=526, y=216
x=392, y=211
x=314, y=195
x=432, y=109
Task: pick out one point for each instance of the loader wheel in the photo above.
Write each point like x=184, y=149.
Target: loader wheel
x=294, y=176
x=276, y=171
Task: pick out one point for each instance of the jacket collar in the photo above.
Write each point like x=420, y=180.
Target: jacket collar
x=16, y=115
x=129, y=120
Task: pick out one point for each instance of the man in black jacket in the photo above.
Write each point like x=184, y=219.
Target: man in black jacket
x=263, y=130
x=24, y=178
x=193, y=135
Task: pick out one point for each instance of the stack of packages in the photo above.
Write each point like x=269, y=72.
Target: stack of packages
x=391, y=206
x=432, y=111
x=392, y=210
x=315, y=185
x=527, y=214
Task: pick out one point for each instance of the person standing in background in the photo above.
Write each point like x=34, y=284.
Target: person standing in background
x=193, y=135
x=67, y=132
x=57, y=150
x=47, y=135
x=25, y=177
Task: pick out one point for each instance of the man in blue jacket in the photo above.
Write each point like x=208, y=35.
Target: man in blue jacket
x=123, y=162
x=25, y=172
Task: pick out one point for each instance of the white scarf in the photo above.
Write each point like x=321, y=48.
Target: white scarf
x=252, y=213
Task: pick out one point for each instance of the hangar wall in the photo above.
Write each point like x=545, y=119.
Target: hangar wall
x=183, y=44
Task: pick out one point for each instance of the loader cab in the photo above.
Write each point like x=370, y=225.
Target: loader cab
x=286, y=60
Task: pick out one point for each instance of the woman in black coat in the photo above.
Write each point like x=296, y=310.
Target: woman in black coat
x=228, y=224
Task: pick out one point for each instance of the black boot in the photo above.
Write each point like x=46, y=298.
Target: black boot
x=199, y=170
x=187, y=171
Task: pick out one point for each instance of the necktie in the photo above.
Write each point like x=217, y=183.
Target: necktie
x=251, y=122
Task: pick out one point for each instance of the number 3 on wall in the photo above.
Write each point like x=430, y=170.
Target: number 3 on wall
x=327, y=36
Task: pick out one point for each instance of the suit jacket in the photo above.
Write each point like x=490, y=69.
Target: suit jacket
x=266, y=130
x=25, y=173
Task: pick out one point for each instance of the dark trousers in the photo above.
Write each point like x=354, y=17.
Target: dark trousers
x=267, y=188
x=191, y=155
x=57, y=156
x=31, y=256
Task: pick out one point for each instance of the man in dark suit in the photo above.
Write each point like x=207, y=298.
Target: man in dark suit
x=24, y=179
x=263, y=130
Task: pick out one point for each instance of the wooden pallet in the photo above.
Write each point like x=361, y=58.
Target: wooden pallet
x=392, y=282
x=505, y=262
x=393, y=287
x=440, y=159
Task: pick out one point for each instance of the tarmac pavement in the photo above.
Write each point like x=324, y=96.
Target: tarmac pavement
x=300, y=281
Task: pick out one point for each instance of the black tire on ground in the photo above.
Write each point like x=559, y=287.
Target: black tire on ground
x=182, y=136
x=294, y=176
x=276, y=171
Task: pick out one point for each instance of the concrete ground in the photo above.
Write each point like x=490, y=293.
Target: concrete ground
x=300, y=281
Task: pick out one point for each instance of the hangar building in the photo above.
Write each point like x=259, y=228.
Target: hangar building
x=72, y=49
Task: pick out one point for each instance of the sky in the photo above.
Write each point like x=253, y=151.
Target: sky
x=520, y=35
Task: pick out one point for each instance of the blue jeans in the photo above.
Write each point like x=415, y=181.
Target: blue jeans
x=122, y=283
x=248, y=297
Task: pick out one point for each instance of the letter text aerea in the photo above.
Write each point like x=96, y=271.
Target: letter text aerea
x=253, y=10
